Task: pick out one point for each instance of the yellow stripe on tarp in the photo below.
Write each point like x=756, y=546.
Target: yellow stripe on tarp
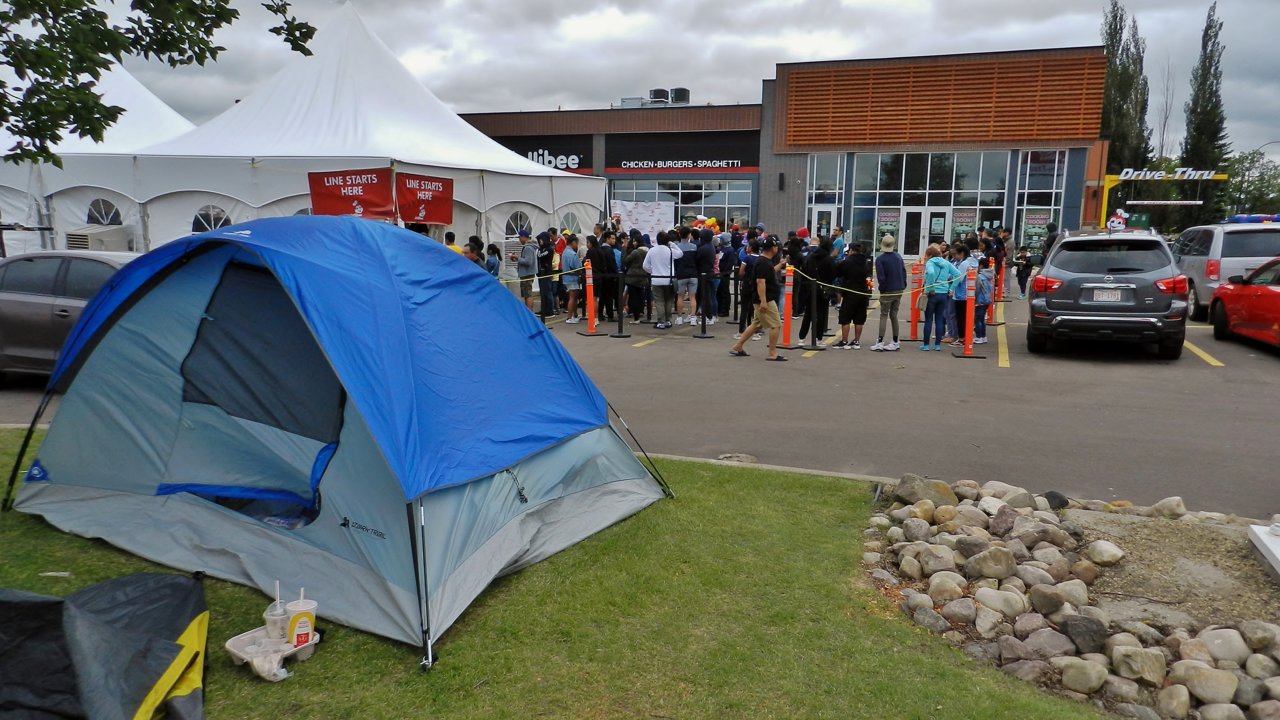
x=185, y=674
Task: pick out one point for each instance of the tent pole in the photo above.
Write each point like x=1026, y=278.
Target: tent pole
x=417, y=533
x=22, y=451
x=666, y=489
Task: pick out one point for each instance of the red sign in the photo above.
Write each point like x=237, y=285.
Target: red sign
x=423, y=199
x=362, y=193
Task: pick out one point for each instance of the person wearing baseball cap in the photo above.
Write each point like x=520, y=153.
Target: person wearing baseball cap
x=760, y=227
x=763, y=289
x=526, y=267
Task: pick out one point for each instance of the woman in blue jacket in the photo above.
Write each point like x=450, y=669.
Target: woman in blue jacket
x=938, y=277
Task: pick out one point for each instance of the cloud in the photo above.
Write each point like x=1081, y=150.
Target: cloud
x=505, y=55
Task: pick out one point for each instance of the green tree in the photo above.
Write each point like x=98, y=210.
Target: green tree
x=1254, y=186
x=58, y=50
x=1205, y=146
x=1125, y=96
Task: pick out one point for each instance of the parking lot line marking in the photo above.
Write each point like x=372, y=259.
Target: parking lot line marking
x=1213, y=361
x=827, y=342
x=1002, y=339
x=650, y=341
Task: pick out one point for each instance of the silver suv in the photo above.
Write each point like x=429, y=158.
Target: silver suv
x=1209, y=254
x=41, y=296
x=1122, y=287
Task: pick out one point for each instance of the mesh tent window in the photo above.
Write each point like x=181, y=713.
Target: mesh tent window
x=518, y=221
x=209, y=217
x=102, y=212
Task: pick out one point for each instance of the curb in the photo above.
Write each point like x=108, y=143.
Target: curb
x=873, y=479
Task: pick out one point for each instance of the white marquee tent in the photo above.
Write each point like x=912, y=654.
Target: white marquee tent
x=350, y=105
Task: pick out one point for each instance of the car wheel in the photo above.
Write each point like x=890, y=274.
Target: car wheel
x=1036, y=343
x=1170, y=349
x=1194, y=310
x=1221, y=331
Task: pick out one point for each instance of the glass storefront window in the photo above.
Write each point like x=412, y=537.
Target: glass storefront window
x=995, y=170
x=890, y=199
x=826, y=191
x=916, y=176
x=939, y=199
x=862, y=225
x=968, y=171
x=825, y=172
x=890, y=171
x=966, y=199
x=865, y=198
x=865, y=171
x=991, y=199
x=728, y=201
x=914, y=199
x=942, y=170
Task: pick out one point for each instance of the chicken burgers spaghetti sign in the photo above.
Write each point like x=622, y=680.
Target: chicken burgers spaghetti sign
x=381, y=194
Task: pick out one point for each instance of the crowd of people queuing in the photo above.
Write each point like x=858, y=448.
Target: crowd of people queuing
x=688, y=273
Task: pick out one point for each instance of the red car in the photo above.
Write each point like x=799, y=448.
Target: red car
x=1249, y=307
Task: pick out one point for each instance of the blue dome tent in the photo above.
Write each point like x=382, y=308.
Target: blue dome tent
x=334, y=403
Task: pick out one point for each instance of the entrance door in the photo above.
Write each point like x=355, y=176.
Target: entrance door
x=922, y=227
x=822, y=218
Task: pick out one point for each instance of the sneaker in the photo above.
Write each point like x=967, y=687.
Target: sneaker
x=956, y=343
x=840, y=345
x=573, y=321
x=758, y=336
x=924, y=347
x=1022, y=296
x=711, y=321
x=679, y=320
x=855, y=345
x=948, y=339
x=878, y=347
x=937, y=348
x=737, y=336
x=980, y=341
x=693, y=319
x=892, y=347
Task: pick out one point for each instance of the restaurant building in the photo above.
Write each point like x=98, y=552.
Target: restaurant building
x=925, y=148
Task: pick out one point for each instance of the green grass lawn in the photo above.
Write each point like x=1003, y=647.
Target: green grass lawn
x=742, y=598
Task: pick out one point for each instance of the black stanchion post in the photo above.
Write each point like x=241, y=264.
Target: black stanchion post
x=814, y=330
x=703, y=283
x=622, y=333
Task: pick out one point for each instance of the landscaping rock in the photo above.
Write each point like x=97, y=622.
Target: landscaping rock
x=1056, y=500
x=871, y=558
x=1075, y=592
x=923, y=509
x=1097, y=613
x=1261, y=667
x=1013, y=649
x=1028, y=623
x=910, y=567
x=1086, y=572
x=884, y=577
x=1174, y=702
x=895, y=534
x=1265, y=710
x=915, y=601
x=1221, y=711
x=960, y=611
x=1179, y=671
x=988, y=622
x=1119, y=640
x=1143, y=664
x=1146, y=634
x=1226, y=644
x=1103, y=553
x=969, y=515
x=935, y=559
x=990, y=505
x=880, y=522
x=944, y=590
x=970, y=546
x=1013, y=584
x=1088, y=634
x=1170, y=507
x=930, y=620
x=990, y=583
x=966, y=489
x=1273, y=688
x=983, y=651
x=913, y=488
x=1195, y=649
x=915, y=529
x=944, y=513
x=1249, y=691
x=1098, y=658
x=1257, y=634
x=1082, y=676
x=1210, y=685
x=1060, y=570
x=1064, y=612
x=1048, y=643
x=995, y=562
x=1133, y=710
x=1002, y=522
x=1032, y=576
x=1046, y=599
x=1008, y=604
x=1118, y=689
x=1047, y=554
x=1020, y=499
x=1032, y=671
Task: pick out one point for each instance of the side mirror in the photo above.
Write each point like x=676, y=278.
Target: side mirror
x=1237, y=280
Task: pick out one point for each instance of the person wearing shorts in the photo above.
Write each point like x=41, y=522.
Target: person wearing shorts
x=766, y=317
x=854, y=273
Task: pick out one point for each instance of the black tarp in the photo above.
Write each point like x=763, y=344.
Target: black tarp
x=129, y=647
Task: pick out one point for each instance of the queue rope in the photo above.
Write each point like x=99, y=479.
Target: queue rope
x=850, y=291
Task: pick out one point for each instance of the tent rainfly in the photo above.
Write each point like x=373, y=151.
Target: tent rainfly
x=335, y=403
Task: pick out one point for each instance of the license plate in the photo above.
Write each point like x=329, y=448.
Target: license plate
x=1106, y=296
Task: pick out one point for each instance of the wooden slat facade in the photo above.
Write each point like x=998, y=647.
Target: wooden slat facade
x=686, y=118
x=1044, y=96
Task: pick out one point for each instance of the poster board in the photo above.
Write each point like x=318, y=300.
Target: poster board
x=649, y=218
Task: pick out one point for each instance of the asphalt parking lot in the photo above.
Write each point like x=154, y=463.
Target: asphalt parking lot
x=1093, y=421
x=1100, y=421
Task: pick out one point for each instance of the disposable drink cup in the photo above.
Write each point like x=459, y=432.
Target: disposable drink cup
x=302, y=622
x=277, y=621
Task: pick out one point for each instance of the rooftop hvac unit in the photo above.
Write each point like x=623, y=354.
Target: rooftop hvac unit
x=99, y=237
x=679, y=96
x=659, y=96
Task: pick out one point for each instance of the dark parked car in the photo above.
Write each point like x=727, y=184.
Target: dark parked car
x=1123, y=287
x=1249, y=306
x=41, y=296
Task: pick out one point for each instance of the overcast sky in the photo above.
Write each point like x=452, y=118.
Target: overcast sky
x=504, y=55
